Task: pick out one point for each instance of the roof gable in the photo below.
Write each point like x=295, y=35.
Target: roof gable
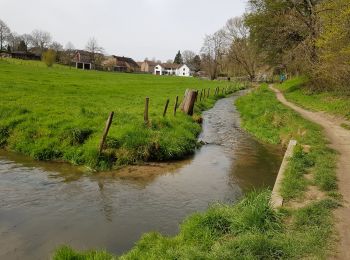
x=123, y=59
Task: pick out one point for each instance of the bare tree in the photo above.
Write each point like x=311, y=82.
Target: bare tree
x=67, y=55
x=95, y=50
x=69, y=46
x=213, y=51
x=188, y=56
x=4, y=33
x=56, y=46
x=27, y=39
x=241, y=50
x=41, y=39
x=13, y=40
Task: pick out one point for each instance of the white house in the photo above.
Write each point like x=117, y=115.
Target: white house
x=181, y=70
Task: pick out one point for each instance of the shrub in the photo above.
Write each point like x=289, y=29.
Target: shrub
x=49, y=57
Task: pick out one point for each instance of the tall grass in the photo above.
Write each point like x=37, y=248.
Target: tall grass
x=59, y=114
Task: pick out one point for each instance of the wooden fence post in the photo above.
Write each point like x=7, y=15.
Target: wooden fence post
x=145, y=115
x=200, y=97
x=166, y=107
x=189, y=102
x=175, y=107
x=184, y=100
x=105, y=131
x=208, y=92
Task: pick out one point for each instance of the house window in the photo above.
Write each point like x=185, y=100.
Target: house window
x=184, y=69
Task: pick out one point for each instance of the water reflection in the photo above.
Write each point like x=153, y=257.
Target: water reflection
x=43, y=205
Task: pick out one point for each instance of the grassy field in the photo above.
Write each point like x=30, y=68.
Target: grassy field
x=250, y=229
x=59, y=114
x=336, y=103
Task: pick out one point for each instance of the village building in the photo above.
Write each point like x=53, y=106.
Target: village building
x=181, y=70
x=147, y=66
x=82, y=60
x=24, y=55
x=125, y=64
x=140, y=64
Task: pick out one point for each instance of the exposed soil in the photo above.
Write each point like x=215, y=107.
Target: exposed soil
x=339, y=140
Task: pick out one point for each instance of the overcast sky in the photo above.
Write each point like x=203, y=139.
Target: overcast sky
x=135, y=28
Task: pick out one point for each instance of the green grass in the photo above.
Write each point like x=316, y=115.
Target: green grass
x=59, y=114
x=297, y=91
x=345, y=126
x=251, y=229
x=267, y=119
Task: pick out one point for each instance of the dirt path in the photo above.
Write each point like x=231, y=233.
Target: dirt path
x=339, y=139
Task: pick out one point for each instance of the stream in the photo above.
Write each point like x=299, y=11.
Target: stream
x=44, y=205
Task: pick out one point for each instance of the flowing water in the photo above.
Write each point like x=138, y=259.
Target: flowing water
x=44, y=205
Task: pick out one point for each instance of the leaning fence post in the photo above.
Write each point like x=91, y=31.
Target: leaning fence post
x=189, y=102
x=145, y=115
x=166, y=107
x=175, y=107
x=105, y=131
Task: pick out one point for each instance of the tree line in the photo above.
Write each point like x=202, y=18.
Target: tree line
x=41, y=42
x=294, y=37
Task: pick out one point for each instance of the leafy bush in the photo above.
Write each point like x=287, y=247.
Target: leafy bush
x=49, y=57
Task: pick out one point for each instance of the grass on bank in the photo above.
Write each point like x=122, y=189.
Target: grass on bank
x=250, y=229
x=272, y=122
x=335, y=102
x=247, y=230
x=59, y=114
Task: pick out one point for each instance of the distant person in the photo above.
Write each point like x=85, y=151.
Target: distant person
x=282, y=78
